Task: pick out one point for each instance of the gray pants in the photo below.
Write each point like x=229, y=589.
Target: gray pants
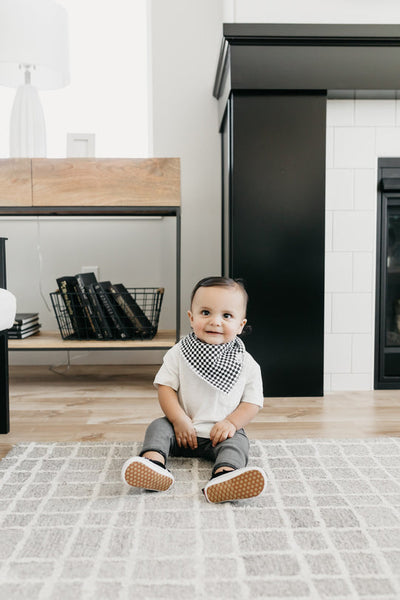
x=233, y=452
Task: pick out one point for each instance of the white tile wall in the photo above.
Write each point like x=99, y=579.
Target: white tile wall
x=328, y=314
x=362, y=356
x=339, y=189
x=358, y=133
x=363, y=272
x=388, y=141
x=340, y=113
x=375, y=112
x=354, y=147
x=328, y=230
x=351, y=313
x=337, y=357
x=329, y=147
x=365, y=189
x=351, y=381
x=339, y=272
x=353, y=231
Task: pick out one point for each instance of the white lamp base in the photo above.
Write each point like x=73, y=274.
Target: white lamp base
x=27, y=126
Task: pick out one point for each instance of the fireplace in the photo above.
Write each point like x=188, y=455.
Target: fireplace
x=387, y=315
x=284, y=63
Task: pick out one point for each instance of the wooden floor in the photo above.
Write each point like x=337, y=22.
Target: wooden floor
x=118, y=402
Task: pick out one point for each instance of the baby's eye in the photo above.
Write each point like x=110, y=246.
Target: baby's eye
x=205, y=312
x=227, y=316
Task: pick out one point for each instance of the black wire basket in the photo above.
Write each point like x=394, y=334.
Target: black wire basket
x=118, y=313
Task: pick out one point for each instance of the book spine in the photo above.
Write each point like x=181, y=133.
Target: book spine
x=101, y=317
x=118, y=327
x=75, y=306
x=144, y=326
x=21, y=322
x=19, y=327
x=87, y=330
x=89, y=312
x=63, y=286
x=19, y=335
x=126, y=308
x=24, y=329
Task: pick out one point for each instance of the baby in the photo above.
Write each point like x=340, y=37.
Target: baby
x=209, y=388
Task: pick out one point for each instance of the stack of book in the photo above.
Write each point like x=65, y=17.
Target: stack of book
x=99, y=310
x=25, y=324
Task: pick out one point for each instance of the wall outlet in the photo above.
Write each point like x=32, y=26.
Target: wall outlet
x=94, y=270
x=80, y=144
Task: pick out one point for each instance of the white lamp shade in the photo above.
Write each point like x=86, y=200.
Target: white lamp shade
x=34, y=32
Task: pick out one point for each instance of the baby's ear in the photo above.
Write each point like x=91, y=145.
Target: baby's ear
x=243, y=323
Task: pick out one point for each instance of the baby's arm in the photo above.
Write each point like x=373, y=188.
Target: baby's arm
x=240, y=417
x=185, y=433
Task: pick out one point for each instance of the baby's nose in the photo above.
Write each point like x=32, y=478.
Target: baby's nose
x=216, y=320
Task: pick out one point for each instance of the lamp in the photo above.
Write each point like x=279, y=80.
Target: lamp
x=33, y=54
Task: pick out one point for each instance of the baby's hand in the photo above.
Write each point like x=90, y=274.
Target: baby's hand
x=221, y=431
x=185, y=433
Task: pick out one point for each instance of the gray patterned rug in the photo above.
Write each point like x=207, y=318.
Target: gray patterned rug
x=328, y=526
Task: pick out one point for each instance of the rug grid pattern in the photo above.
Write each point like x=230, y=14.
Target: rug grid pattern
x=327, y=526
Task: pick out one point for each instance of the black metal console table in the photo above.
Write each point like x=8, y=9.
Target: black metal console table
x=87, y=187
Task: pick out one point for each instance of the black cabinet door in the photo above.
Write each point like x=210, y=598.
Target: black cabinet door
x=274, y=229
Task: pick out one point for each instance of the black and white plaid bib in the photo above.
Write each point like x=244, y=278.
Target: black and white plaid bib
x=218, y=364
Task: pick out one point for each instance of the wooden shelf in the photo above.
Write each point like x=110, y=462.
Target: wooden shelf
x=101, y=182
x=52, y=340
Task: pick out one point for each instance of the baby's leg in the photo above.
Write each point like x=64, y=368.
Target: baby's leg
x=159, y=440
x=148, y=470
x=233, y=453
x=232, y=479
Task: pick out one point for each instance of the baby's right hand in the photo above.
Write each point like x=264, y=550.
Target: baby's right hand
x=185, y=433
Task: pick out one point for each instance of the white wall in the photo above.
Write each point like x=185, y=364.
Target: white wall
x=312, y=11
x=186, y=36
x=108, y=95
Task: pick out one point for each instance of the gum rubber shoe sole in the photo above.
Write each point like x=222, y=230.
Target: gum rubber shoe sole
x=141, y=473
x=236, y=485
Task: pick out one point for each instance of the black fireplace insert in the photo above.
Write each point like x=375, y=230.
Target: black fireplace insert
x=387, y=319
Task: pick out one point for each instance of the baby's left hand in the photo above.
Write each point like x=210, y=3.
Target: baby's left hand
x=221, y=431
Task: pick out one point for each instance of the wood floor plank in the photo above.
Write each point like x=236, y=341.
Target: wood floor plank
x=116, y=403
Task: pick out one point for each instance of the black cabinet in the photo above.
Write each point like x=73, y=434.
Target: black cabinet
x=273, y=231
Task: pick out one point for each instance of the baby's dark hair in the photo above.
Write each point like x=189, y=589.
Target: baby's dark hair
x=221, y=282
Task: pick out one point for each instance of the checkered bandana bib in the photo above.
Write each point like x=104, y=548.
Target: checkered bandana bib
x=218, y=364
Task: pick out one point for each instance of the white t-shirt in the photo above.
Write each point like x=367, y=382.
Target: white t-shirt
x=202, y=402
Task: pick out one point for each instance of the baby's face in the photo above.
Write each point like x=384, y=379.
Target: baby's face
x=217, y=314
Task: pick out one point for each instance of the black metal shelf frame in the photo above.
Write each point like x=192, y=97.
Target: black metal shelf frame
x=4, y=394
x=89, y=211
